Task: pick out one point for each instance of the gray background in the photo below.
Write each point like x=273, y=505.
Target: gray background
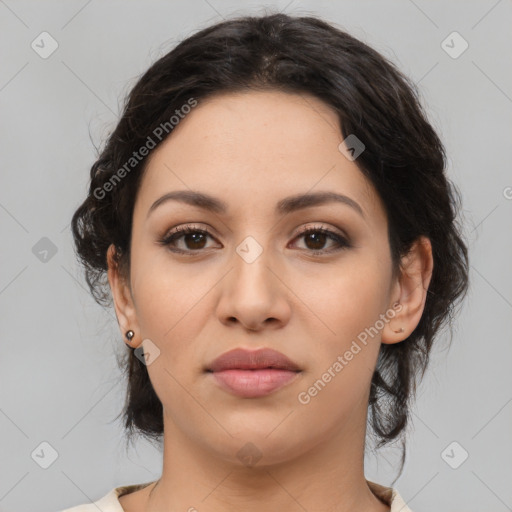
x=59, y=380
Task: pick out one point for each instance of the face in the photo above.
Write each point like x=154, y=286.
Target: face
x=305, y=281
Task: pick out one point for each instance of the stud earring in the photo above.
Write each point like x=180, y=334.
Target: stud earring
x=129, y=335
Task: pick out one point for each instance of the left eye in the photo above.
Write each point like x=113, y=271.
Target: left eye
x=318, y=238
x=195, y=239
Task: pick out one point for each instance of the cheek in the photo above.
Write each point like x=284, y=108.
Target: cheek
x=163, y=292
x=346, y=351
x=172, y=307
x=347, y=307
x=347, y=297
x=171, y=310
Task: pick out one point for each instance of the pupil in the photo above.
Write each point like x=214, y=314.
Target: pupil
x=319, y=238
x=194, y=241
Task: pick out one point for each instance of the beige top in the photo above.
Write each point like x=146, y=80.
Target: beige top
x=110, y=502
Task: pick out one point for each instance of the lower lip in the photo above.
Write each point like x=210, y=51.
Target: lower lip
x=253, y=383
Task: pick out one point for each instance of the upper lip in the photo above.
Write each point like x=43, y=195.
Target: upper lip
x=244, y=359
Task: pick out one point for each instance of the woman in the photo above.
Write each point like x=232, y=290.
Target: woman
x=281, y=245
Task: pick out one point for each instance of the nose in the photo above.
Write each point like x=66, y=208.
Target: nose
x=254, y=294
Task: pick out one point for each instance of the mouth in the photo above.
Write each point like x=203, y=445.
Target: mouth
x=253, y=383
x=253, y=374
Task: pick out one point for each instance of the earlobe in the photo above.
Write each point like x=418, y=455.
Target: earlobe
x=122, y=298
x=410, y=292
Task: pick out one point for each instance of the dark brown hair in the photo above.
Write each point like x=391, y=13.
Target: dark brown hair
x=403, y=158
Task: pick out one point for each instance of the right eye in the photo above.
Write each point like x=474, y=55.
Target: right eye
x=194, y=239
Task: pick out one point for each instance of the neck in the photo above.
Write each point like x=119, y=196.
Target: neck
x=326, y=476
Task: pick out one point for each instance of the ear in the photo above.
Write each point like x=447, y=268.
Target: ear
x=410, y=290
x=123, y=300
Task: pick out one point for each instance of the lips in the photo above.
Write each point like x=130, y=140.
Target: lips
x=241, y=359
x=253, y=374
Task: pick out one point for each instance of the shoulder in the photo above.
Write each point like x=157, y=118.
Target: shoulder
x=109, y=502
x=390, y=496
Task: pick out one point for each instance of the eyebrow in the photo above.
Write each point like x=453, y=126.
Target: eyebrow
x=284, y=206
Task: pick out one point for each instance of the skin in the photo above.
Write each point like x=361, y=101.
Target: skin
x=251, y=150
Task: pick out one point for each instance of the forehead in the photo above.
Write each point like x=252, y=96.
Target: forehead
x=254, y=148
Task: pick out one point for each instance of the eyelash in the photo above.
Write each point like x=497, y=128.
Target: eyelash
x=184, y=230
